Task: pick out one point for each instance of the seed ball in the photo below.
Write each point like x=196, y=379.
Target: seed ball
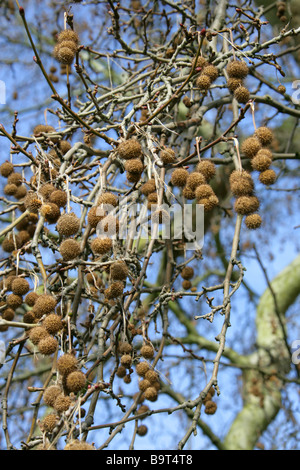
x=261, y=162
x=29, y=317
x=20, y=286
x=211, y=71
x=264, y=135
x=62, y=403
x=119, y=271
x=206, y=168
x=21, y=192
x=179, y=177
x=37, y=333
x=245, y=205
x=142, y=368
x=76, y=381
x=68, y=224
x=49, y=422
x=142, y=430
x=266, y=153
x=250, y=147
x=253, y=221
x=50, y=394
x=148, y=187
x=51, y=212
x=15, y=178
x=10, y=189
x=59, y=197
x=186, y=285
x=14, y=301
x=209, y=203
x=64, y=55
x=46, y=190
x=31, y=298
x=39, y=129
x=203, y=191
x=201, y=62
x=167, y=156
x=210, y=407
x=124, y=347
x=237, y=69
x=114, y=291
x=203, y=82
x=127, y=379
x=48, y=345
x=32, y=202
x=188, y=193
x=52, y=323
x=8, y=314
x=151, y=376
x=195, y=179
x=6, y=169
x=109, y=226
x=66, y=364
x=147, y=351
x=150, y=394
x=64, y=146
x=134, y=165
x=100, y=246
x=93, y=216
x=144, y=384
x=121, y=372
x=234, y=83
x=45, y=304
x=69, y=249
x=242, y=94
x=108, y=198
x=141, y=410
x=187, y=273
x=152, y=199
x=126, y=360
x=267, y=177
x=281, y=89
x=129, y=149
x=68, y=35
x=11, y=242
x=241, y=183
x=133, y=177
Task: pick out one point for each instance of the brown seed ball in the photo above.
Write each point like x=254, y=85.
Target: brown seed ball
x=126, y=360
x=142, y=368
x=119, y=271
x=209, y=203
x=210, y=407
x=142, y=409
x=6, y=169
x=29, y=317
x=20, y=286
x=264, y=135
x=151, y=394
x=108, y=198
x=129, y=149
x=133, y=177
x=49, y=422
x=114, y=291
x=142, y=430
x=211, y=71
x=179, y=177
x=48, y=345
x=281, y=89
x=68, y=35
x=267, y=177
x=37, y=333
x=147, y=351
x=11, y=243
x=8, y=314
x=51, y=212
x=50, y=394
x=45, y=304
x=10, y=189
x=253, y=221
x=14, y=301
x=144, y=384
x=152, y=199
x=206, y=168
x=151, y=376
x=241, y=183
x=203, y=191
x=31, y=298
x=69, y=249
x=66, y=364
x=250, y=147
x=124, y=347
x=109, y=226
x=24, y=237
x=68, y=225
x=46, y=190
x=167, y=156
x=186, y=285
x=261, y=162
x=242, y=94
x=15, y=178
x=76, y=381
x=188, y=193
x=79, y=445
x=134, y=166
x=53, y=323
x=201, y=62
x=195, y=179
x=93, y=216
x=234, y=83
x=127, y=379
x=245, y=205
x=203, y=82
x=64, y=55
x=59, y=197
x=21, y=192
x=187, y=273
x=32, y=202
x=100, y=246
x=62, y=403
x=237, y=69
x=148, y=187
x=64, y=147
x=121, y=372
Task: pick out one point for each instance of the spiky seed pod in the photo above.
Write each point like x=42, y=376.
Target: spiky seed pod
x=108, y=198
x=79, y=445
x=45, y=190
x=253, y=221
x=50, y=394
x=10, y=189
x=29, y=317
x=261, y=162
x=64, y=146
x=69, y=249
x=21, y=192
x=93, y=216
x=49, y=422
x=142, y=430
x=242, y=94
x=11, y=242
x=209, y=203
x=241, y=183
x=201, y=62
x=44, y=305
x=186, y=285
x=151, y=376
x=39, y=129
x=264, y=135
x=32, y=202
x=76, y=381
x=142, y=368
x=144, y=384
x=206, y=168
x=15, y=178
x=203, y=191
x=8, y=280
x=62, y=403
x=66, y=364
x=148, y=187
x=129, y=149
x=245, y=205
x=141, y=410
x=211, y=71
x=109, y=226
x=68, y=225
x=281, y=89
x=48, y=345
x=267, y=177
x=187, y=273
x=195, y=179
x=250, y=147
x=59, y=197
x=179, y=177
x=6, y=169
x=126, y=360
x=133, y=177
x=124, y=347
x=151, y=394
x=51, y=212
x=68, y=35
x=31, y=298
x=167, y=156
x=20, y=286
x=210, y=407
x=14, y=301
x=234, y=83
x=37, y=333
x=64, y=55
x=8, y=314
x=53, y=323
x=134, y=165
x=203, y=82
x=121, y=372
x=147, y=351
x=188, y=193
x=119, y=271
x=237, y=69
x=69, y=45
x=266, y=153
x=114, y=291
x=152, y=199
x=100, y=246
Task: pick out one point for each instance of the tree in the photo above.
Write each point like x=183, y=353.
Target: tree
x=140, y=129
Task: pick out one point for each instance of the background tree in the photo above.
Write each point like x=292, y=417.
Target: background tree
x=114, y=113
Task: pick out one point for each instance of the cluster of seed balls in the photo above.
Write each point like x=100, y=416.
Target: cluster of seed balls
x=237, y=71
x=131, y=152
x=210, y=407
x=66, y=47
x=208, y=74
x=61, y=396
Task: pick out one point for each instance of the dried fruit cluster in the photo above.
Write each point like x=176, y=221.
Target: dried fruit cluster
x=66, y=47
